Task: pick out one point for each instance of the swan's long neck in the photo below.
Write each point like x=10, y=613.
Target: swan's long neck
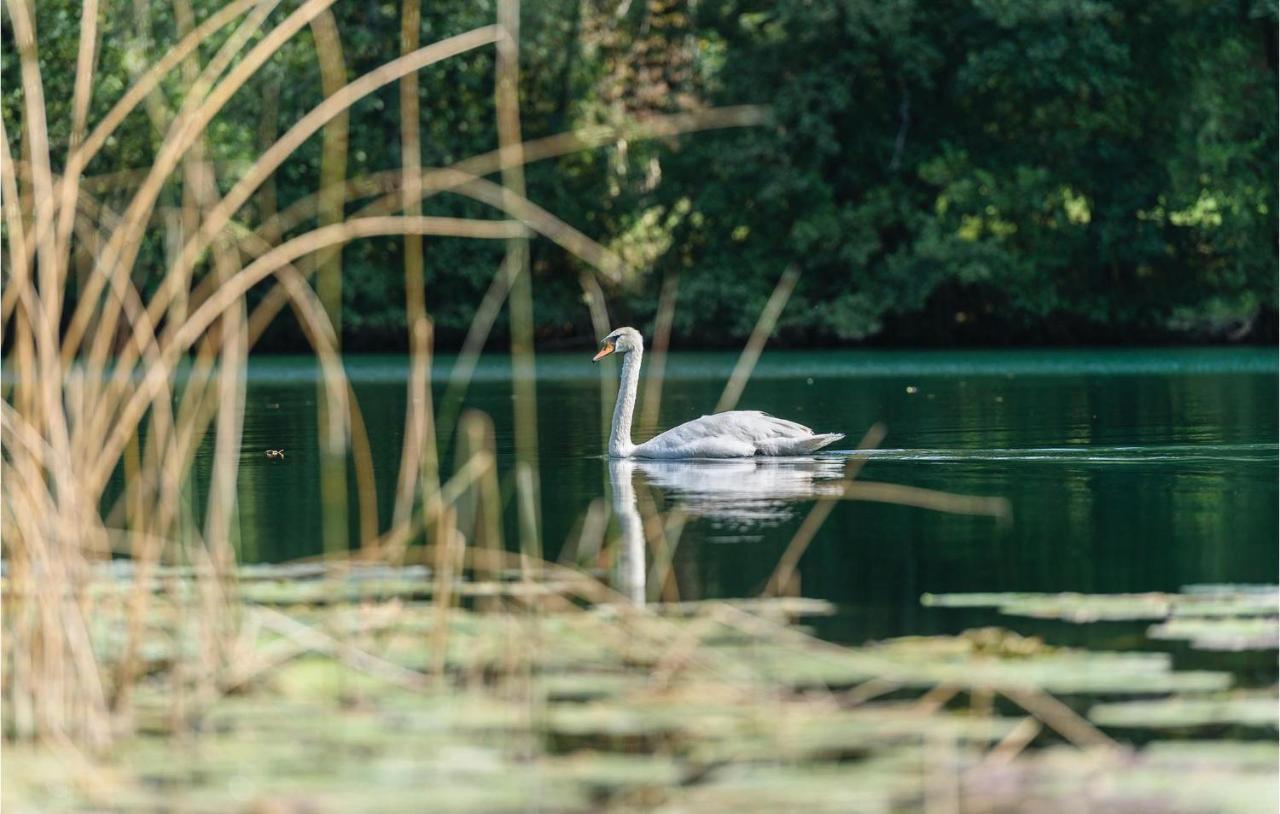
x=620, y=445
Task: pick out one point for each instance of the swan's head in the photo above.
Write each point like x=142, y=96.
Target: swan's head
x=623, y=340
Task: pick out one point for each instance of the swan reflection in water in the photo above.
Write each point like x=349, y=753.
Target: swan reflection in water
x=737, y=497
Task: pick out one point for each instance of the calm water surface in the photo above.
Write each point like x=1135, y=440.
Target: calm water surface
x=1125, y=470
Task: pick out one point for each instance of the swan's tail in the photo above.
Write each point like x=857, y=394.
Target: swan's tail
x=800, y=446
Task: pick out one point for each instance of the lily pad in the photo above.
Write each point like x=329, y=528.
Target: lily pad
x=1070, y=607
x=1252, y=709
x=968, y=662
x=1216, y=776
x=1253, y=600
x=1221, y=633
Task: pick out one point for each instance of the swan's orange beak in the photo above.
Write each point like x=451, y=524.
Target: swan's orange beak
x=605, y=351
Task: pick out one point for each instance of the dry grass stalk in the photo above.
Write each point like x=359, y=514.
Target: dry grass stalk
x=135, y=384
x=598, y=307
x=511, y=164
x=84, y=406
x=759, y=335
x=1058, y=716
x=818, y=515
x=661, y=343
x=419, y=395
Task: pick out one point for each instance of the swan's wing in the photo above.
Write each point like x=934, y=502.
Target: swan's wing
x=733, y=434
x=764, y=425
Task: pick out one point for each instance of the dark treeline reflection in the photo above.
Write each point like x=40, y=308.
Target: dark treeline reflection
x=1118, y=481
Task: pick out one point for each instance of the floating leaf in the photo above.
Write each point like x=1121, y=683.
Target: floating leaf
x=1224, y=777
x=1252, y=709
x=1069, y=606
x=1219, y=633
x=1218, y=600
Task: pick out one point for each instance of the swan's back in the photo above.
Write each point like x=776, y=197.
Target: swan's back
x=735, y=434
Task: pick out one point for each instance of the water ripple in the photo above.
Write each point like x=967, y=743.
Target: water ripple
x=1169, y=453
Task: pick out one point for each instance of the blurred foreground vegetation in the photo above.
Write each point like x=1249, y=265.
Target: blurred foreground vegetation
x=144, y=669
x=356, y=689
x=992, y=171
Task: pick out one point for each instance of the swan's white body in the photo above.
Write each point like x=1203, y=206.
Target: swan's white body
x=732, y=434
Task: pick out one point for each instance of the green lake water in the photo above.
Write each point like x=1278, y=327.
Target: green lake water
x=1125, y=470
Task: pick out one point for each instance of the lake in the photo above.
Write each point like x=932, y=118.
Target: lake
x=1124, y=470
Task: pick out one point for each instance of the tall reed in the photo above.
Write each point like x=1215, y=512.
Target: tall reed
x=126, y=382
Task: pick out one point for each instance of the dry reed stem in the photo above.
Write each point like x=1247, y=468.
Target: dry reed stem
x=539, y=220
x=479, y=429
x=150, y=80
x=216, y=393
x=934, y=700
x=477, y=333
x=35, y=132
x=535, y=217
x=267, y=265
x=1012, y=744
x=357, y=659
x=680, y=654
x=755, y=343
x=902, y=495
x=43, y=306
x=661, y=575
x=220, y=215
x=818, y=515
x=210, y=319
x=520, y=295
x=292, y=289
x=199, y=187
x=328, y=265
x=79, y=118
x=419, y=392
x=1058, y=716
x=19, y=277
x=419, y=386
x=224, y=262
x=893, y=493
x=868, y=690
x=660, y=345
x=585, y=548
x=450, y=547
x=59, y=693
x=333, y=165
x=598, y=308
x=199, y=194
x=268, y=130
x=197, y=110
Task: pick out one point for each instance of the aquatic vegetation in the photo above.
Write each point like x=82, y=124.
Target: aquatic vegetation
x=1254, y=709
x=1221, y=633
x=360, y=699
x=1193, y=601
x=1209, y=617
x=429, y=657
x=132, y=301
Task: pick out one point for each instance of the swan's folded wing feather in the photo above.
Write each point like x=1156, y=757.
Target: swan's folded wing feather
x=729, y=434
x=774, y=426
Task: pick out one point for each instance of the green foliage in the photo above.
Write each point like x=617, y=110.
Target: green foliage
x=972, y=170
x=1005, y=165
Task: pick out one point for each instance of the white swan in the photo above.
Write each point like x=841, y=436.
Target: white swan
x=732, y=434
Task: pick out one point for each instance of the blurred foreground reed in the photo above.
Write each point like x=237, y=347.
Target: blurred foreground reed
x=127, y=378
x=127, y=617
